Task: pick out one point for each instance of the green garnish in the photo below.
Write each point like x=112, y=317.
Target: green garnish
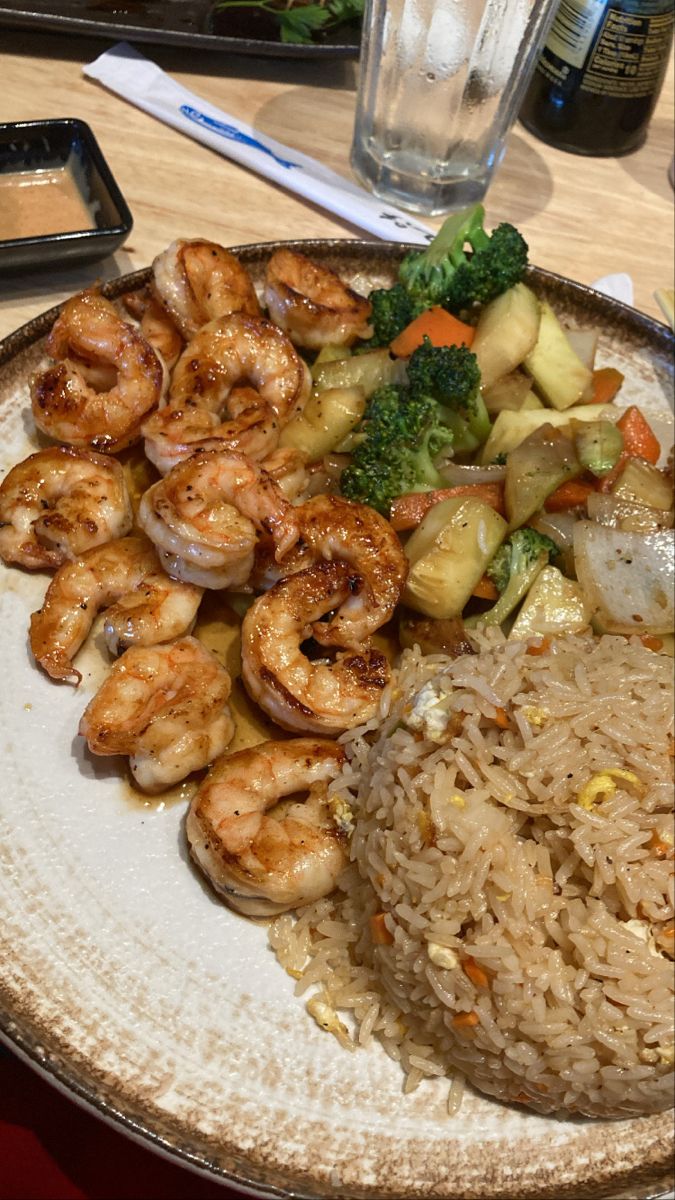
x=298, y=23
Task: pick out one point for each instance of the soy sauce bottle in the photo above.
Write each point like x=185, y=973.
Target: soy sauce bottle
x=599, y=75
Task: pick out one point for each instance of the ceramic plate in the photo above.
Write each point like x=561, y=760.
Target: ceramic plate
x=130, y=985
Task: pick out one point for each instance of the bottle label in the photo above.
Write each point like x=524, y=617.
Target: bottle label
x=630, y=55
x=574, y=28
x=624, y=49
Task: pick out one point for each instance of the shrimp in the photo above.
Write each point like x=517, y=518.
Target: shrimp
x=144, y=606
x=164, y=706
x=241, y=350
x=156, y=325
x=264, y=861
x=60, y=502
x=333, y=528
x=312, y=304
x=67, y=406
x=288, y=469
x=304, y=696
x=173, y=433
x=197, y=280
x=204, y=517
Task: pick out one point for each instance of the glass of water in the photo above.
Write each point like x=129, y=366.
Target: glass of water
x=440, y=85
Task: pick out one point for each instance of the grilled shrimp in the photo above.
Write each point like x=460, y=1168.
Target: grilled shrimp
x=66, y=403
x=312, y=304
x=335, y=529
x=197, y=281
x=144, y=606
x=288, y=469
x=156, y=325
x=324, y=697
x=175, y=432
x=204, y=517
x=60, y=502
x=165, y=707
x=265, y=860
x=235, y=351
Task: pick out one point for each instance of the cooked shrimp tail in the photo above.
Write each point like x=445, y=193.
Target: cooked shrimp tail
x=197, y=281
x=166, y=708
x=144, y=605
x=156, y=325
x=312, y=304
x=305, y=696
x=59, y=503
x=261, y=858
x=206, y=514
x=67, y=405
x=332, y=528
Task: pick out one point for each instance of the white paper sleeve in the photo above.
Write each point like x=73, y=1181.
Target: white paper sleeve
x=125, y=71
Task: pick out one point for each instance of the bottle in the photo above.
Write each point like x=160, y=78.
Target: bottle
x=599, y=75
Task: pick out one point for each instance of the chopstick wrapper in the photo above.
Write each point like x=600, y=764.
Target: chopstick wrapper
x=125, y=71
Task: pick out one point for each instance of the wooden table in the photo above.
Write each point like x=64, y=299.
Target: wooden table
x=582, y=217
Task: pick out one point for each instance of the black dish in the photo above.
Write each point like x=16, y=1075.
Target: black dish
x=195, y=23
x=37, y=146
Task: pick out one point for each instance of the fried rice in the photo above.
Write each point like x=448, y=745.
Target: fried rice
x=507, y=916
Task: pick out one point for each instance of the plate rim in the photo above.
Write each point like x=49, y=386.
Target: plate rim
x=14, y=17
x=25, y=1040
x=650, y=328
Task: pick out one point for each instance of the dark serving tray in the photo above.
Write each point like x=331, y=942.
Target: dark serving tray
x=176, y=23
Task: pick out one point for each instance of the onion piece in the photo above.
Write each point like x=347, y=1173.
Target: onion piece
x=626, y=577
x=455, y=473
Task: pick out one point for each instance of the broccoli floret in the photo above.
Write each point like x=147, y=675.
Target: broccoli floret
x=450, y=375
x=514, y=569
x=403, y=434
x=443, y=274
x=391, y=311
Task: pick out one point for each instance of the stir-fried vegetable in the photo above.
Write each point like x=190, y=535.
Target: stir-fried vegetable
x=514, y=569
x=450, y=375
x=507, y=331
x=560, y=376
x=444, y=274
x=539, y=465
x=406, y=428
x=627, y=577
x=449, y=553
x=403, y=434
x=526, y=404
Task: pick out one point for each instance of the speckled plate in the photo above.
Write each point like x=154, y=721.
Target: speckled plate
x=130, y=986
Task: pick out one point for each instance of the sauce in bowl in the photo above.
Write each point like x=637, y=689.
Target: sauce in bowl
x=38, y=203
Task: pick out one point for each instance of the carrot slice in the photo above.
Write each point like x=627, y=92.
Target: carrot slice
x=501, y=718
x=606, y=383
x=651, y=642
x=475, y=973
x=541, y=647
x=485, y=589
x=639, y=439
x=439, y=326
x=407, y=510
x=465, y=1020
x=660, y=848
x=571, y=494
x=380, y=935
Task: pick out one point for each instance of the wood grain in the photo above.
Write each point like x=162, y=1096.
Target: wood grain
x=583, y=217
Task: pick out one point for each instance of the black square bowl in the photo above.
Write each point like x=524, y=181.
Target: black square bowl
x=34, y=148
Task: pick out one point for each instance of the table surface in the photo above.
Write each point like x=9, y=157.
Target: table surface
x=582, y=217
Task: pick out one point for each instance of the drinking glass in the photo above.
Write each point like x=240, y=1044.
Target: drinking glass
x=440, y=85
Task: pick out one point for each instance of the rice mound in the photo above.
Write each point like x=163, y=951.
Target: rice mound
x=507, y=917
